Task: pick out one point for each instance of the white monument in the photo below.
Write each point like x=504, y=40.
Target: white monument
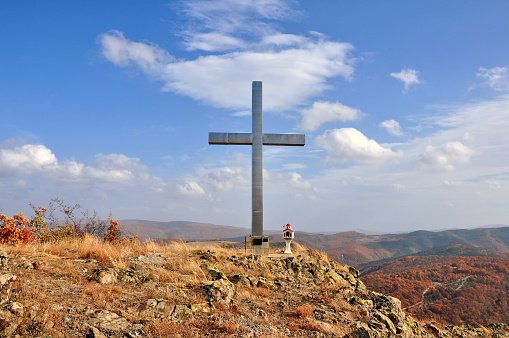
x=288, y=235
x=257, y=243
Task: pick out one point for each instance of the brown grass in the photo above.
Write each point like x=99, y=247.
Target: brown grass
x=303, y=311
x=311, y=326
x=70, y=263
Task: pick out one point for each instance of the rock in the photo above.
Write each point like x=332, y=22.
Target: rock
x=3, y=260
x=17, y=308
x=215, y=273
x=48, y=325
x=109, y=321
x=385, y=321
x=8, y=284
x=353, y=271
x=105, y=276
x=181, y=311
x=208, y=255
x=356, y=300
x=361, y=332
x=334, y=278
x=253, y=280
x=88, y=311
x=151, y=303
x=155, y=260
x=28, y=265
x=242, y=280
x=160, y=305
x=199, y=308
x=219, y=291
x=95, y=333
x=264, y=283
x=5, y=319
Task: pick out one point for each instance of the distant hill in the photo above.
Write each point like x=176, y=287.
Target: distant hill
x=357, y=249
x=352, y=248
x=192, y=231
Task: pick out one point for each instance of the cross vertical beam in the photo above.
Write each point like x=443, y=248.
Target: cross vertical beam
x=257, y=161
x=257, y=139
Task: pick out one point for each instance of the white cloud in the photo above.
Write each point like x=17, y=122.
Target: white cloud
x=284, y=40
x=38, y=159
x=298, y=182
x=27, y=159
x=191, y=189
x=213, y=42
x=293, y=68
x=496, y=77
x=349, y=144
x=408, y=77
x=393, y=128
x=322, y=112
x=120, y=162
x=232, y=20
x=447, y=156
x=290, y=77
x=149, y=57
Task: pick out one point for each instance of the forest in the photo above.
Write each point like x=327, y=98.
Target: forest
x=448, y=289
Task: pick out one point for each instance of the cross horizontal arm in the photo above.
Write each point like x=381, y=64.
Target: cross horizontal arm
x=231, y=138
x=284, y=139
x=268, y=139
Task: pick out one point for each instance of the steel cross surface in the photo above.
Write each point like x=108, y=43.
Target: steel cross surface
x=257, y=139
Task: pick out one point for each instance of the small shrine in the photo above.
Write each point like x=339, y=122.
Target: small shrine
x=288, y=235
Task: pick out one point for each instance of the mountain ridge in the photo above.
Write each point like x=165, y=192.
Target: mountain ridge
x=350, y=247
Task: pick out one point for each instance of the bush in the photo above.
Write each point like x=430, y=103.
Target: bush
x=16, y=229
x=58, y=221
x=303, y=310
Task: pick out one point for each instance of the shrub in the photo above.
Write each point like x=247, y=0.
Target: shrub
x=303, y=310
x=16, y=229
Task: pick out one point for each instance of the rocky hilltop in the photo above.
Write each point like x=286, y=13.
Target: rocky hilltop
x=88, y=288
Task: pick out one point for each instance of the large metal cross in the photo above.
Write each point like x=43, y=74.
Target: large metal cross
x=257, y=139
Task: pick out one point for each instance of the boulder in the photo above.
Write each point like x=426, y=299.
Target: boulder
x=109, y=321
x=8, y=284
x=3, y=260
x=105, y=276
x=219, y=291
x=155, y=260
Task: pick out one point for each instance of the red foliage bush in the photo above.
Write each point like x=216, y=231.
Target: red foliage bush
x=16, y=229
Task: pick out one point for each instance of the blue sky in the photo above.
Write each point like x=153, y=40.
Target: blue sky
x=405, y=107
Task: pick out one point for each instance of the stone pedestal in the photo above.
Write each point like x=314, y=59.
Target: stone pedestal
x=257, y=245
x=288, y=250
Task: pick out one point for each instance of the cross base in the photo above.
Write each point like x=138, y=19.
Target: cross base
x=257, y=245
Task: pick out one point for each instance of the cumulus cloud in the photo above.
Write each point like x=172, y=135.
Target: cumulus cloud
x=38, y=159
x=349, y=144
x=290, y=76
x=293, y=67
x=408, y=77
x=322, y=112
x=496, y=77
x=27, y=159
x=122, y=52
x=393, y=128
x=447, y=156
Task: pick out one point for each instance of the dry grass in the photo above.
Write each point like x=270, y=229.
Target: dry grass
x=70, y=263
x=303, y=311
